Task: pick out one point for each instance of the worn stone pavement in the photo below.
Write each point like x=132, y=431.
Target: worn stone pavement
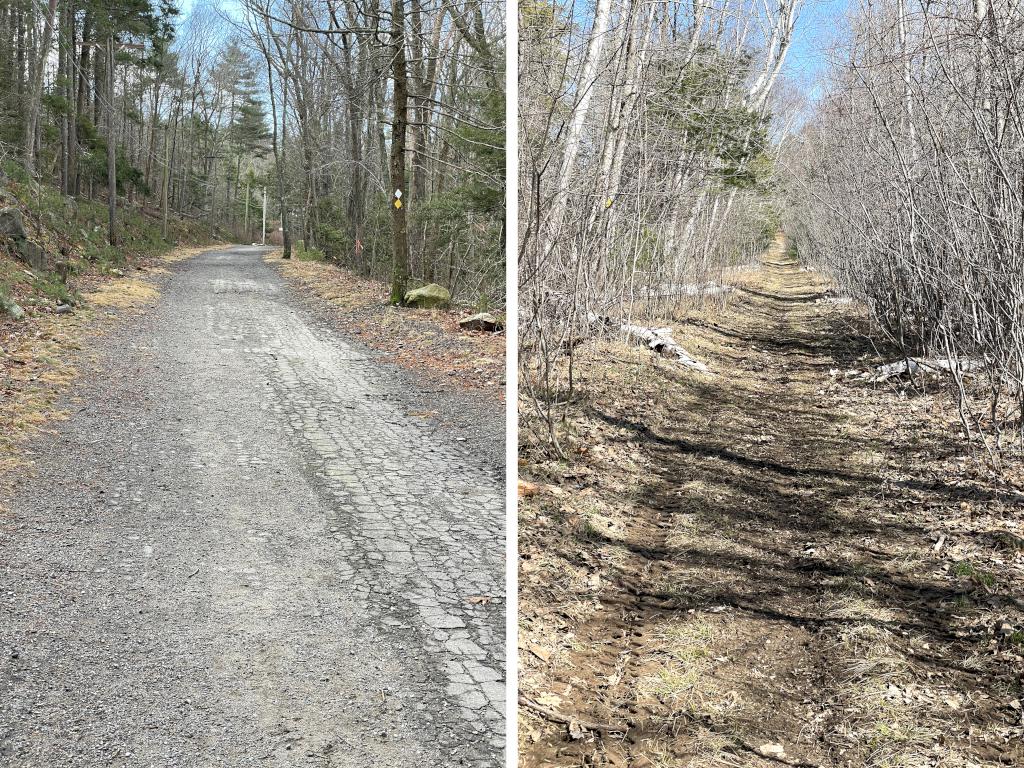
x=244, y=549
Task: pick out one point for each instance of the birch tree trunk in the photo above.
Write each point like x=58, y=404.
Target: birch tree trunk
x=585, y=92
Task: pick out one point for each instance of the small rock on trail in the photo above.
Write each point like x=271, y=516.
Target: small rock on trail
x=482, y=321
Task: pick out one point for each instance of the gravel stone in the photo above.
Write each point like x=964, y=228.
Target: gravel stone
x=240, y=550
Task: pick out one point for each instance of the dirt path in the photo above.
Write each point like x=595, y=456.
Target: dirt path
x=752, y=577
x=245, y=548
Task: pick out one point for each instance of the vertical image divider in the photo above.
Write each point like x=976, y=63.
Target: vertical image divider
x=511, y=377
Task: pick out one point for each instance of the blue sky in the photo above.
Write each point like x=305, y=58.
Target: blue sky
x=820, y=25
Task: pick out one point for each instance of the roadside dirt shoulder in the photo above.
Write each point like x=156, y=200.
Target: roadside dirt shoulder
x=43, y=353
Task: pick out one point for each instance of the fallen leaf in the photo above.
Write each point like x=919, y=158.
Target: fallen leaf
x=541, y=653
x=527, y=489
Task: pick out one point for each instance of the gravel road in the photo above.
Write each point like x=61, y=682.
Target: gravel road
x=245, y=548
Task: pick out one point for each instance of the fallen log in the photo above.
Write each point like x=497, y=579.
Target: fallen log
x=707, y=289
x=912, y=366
x=658, y=340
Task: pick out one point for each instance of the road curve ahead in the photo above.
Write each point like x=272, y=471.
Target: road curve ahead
x=245, y=549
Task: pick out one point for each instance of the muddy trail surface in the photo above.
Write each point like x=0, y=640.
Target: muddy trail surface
x=777, y=563
x=245, y=547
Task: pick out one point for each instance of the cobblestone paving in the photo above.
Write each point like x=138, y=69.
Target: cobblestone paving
x=243, y=550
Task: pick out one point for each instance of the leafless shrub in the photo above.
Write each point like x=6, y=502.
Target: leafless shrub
x=644, y=157
x=909, y=184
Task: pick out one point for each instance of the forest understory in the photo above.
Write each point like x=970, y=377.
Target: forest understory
x=778, y=562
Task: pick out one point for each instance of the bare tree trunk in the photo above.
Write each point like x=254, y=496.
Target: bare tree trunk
x=65, y=54
x=36, y=91
x=400, y=240
x=588, y=76
x=111, y=147
x=166, y=185
x=81, y=97
x=278, y=158
x=154, y=120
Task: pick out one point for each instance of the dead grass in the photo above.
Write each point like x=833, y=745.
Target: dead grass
x=682, y=679
x=183, y=253
x=887, y=717
x=125, y=293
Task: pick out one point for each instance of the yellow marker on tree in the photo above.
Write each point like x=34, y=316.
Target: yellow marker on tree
x=398, y=204
x=608, y=203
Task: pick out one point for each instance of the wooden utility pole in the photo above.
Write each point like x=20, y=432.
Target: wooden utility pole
x=111, y=145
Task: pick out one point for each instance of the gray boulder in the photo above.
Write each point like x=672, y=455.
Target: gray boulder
x=32, y=254
x=484, y=321
x=8, y=307
x=12, y=224
x=428, y=297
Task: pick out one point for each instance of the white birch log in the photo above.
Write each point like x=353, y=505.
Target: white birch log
x=657, y=340
x=910, y=365
x=709, y=288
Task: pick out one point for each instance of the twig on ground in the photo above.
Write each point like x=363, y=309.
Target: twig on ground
x=558, y=717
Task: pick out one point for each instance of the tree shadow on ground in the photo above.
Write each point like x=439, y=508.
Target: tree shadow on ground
x=768, y=506
x=793, y=530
